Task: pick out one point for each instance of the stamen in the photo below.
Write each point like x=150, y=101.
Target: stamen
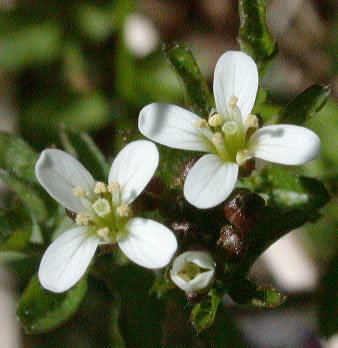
x=242, y=156
x=252, y=122
x=201, y=123
x=101, y=207
x=216, y=120
x=123, y=210
x=104, y=234
x=229, y=127
x=114, y=186
x=79, y=192
x=217, y=138
x=232, y=101
x=100, y=187
x=82, y=219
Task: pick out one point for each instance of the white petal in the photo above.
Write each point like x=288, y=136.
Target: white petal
x=173, y=126
x=67, y=259
x=285, y=144
x=59, y=173
x=149, y=243
x=210, y=181
x=202, y=280
x=200, y=258
x=235, y=75
x=133, y=168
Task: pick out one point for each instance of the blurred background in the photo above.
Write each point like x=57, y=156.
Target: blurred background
x=93, y=66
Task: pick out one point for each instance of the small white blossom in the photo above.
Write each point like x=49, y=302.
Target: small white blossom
x=231, y=136
x=193, y=271
x=104, y=214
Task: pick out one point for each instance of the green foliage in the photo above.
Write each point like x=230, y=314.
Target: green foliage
x=305, y=105
x=203, y=314
x=31, y=44
x=246, y=292
x=28, y=195
x=196, y=89
x=328, y=300
x=41, y=311
x=254, y=35
x=81, y=146
x=17, y=157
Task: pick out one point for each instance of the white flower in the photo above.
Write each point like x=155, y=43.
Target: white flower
x=230, y=137
x=193, y=271
x=103, y=214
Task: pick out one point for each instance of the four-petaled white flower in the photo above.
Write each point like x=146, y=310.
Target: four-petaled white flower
x=103, y=213
x=231, y=136
x=193, y=271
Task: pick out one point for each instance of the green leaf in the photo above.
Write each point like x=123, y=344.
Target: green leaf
x=328, y=300
x=17, y=157
x=305, y=105
x=32, y=201
x=286, y=191
x=82, y=146
x=195, y=85
x=29, y=44
x=203, y=314
x=291, y=201
x=254, y=35
x=40, y=310
x=243, y=291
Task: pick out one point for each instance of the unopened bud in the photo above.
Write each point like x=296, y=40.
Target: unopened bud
x=230, y=243
x=242, y=209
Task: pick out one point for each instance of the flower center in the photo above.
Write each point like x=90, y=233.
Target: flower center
x=104, y=213
x=190, y=270
x=230, y=135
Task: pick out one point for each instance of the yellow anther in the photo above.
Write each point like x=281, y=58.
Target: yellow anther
x=216, y=120
x=79, y=192
x=101, y=207
x=104, y=234
x=232, y=101
x=217, y=138
x=229, y=127
x=123, y=210
x=242, y=156
x=201, y=123
x=100, y=187
x=114, y=186
x=82, y=219
x=252, y=122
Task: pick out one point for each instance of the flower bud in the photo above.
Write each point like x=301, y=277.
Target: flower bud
x=242, y=209
x=193, y=271
x=230, y=243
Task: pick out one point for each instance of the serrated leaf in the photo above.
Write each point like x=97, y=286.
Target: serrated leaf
x=17, y=157
x=81, y=146
x=40, y=310
x=32, y=201
x=254, y=35
x=203, y=314
x=195, y=85
x=305, y=105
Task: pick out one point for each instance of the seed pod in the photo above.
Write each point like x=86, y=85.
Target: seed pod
x=195, y=297
x=242, y=209
x=230, y=243
x=186, y=166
